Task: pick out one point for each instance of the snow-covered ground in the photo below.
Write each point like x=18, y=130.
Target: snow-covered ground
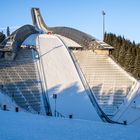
x=26, y=126
x=62, y=79
x=69, y=42
x=6, y=100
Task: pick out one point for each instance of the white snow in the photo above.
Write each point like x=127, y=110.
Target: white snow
x=69, y=42
x=62, y=79
x=25, y=126
x=6, y=100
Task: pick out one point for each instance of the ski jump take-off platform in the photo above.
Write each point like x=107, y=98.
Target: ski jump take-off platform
x=60, y=71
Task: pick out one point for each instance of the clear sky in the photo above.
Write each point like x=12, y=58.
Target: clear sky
x=122, y=16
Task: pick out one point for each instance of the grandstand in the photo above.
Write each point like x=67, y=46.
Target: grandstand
x=19, y=79
x=109, y=83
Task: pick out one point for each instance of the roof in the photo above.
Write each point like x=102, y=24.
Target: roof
x=104, y=46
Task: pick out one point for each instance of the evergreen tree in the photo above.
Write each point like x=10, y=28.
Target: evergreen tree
x=2, y=37
x=137, y=65
x=105, y=37
x=129, y=60
x=122, y=53
x=125, y=52
x=8, y=31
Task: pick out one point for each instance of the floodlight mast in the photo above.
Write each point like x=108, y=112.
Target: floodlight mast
x=103, y=13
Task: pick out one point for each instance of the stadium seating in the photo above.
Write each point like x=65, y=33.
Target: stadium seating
x=108, y=81
x=19, y=79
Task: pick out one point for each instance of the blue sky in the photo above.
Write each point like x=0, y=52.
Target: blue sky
x=122, y=16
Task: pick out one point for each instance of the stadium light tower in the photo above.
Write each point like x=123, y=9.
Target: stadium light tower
x=103, y=13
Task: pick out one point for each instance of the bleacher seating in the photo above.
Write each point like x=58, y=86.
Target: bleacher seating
x=109, y=82
x=19, y=79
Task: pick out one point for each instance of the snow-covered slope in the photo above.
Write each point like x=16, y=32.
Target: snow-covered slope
x=69, y=42
x=25, y=126
x=62, y=79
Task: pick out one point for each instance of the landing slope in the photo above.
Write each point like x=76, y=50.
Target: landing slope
x=62, y=79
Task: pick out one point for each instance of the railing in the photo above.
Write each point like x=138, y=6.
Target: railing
x=88, y=90
x=58, y=114
x=136, y=91
x=129, y=95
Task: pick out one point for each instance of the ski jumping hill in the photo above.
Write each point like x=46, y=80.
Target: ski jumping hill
x=62, y=79
x=60, y=71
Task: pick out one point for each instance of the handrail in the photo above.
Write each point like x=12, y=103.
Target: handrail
x=132, y=90
x=90, y=93
x=137, y=91
x=58, y=114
